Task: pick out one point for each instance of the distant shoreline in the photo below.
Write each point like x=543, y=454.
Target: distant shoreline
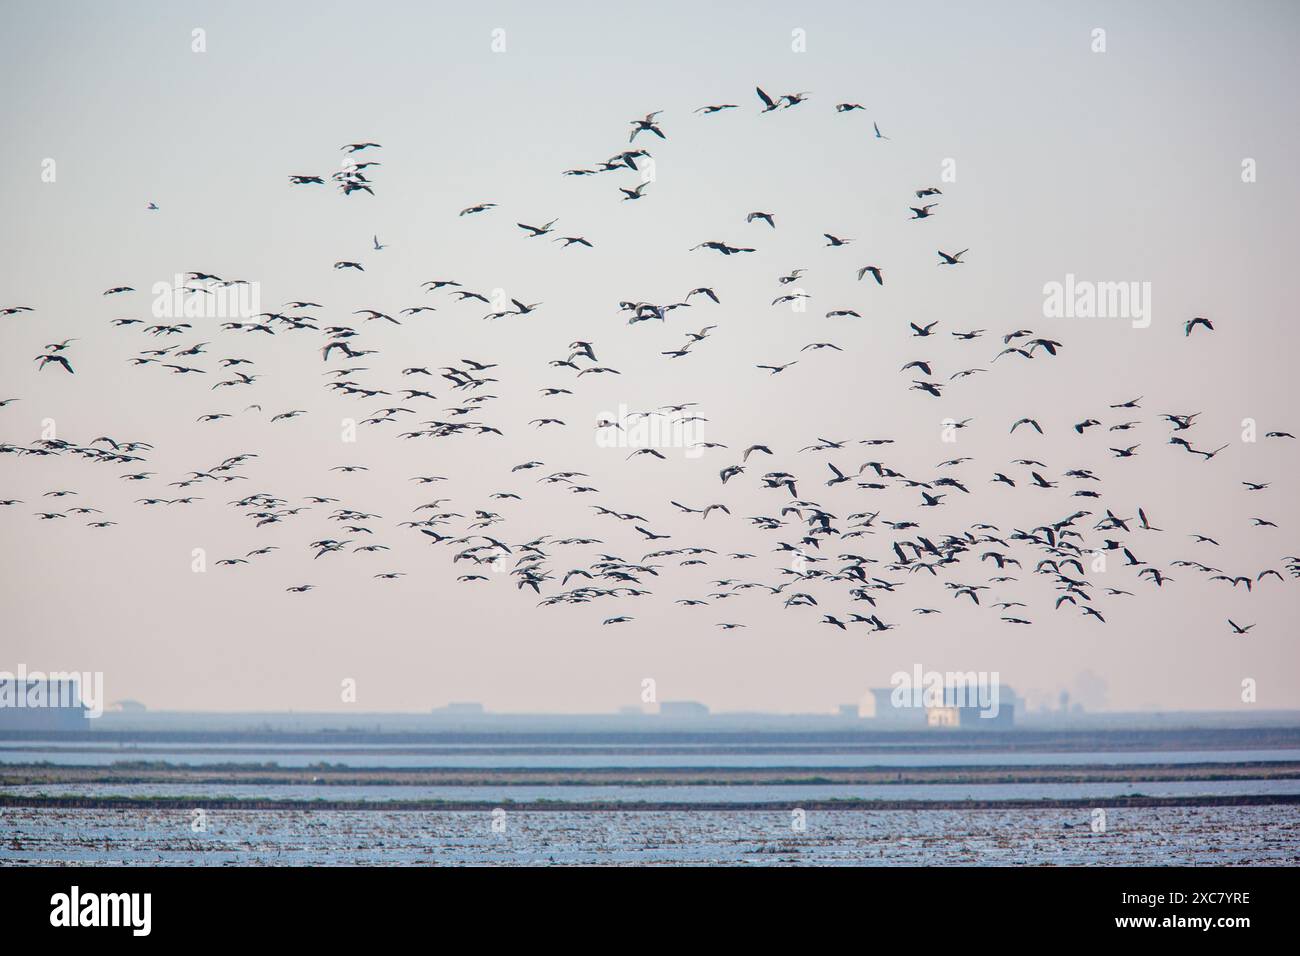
x=505, y=736
x=187, y=804
x=123, y=773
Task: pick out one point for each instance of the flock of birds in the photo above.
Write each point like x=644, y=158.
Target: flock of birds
x=835, y=551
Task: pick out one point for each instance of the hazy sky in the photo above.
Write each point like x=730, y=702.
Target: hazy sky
x=1123, y=165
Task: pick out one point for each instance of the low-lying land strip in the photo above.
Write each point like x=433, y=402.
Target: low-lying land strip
x=336, y=774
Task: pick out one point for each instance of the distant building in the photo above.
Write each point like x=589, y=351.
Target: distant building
x=461, y=707
x=682, y=708
x=943, y=716
x=883, y=711
x=970, y=717
x=41, y=704
x=953, y=712
x=849, y=710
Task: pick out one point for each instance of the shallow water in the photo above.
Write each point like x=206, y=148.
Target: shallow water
x=1133, y=836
